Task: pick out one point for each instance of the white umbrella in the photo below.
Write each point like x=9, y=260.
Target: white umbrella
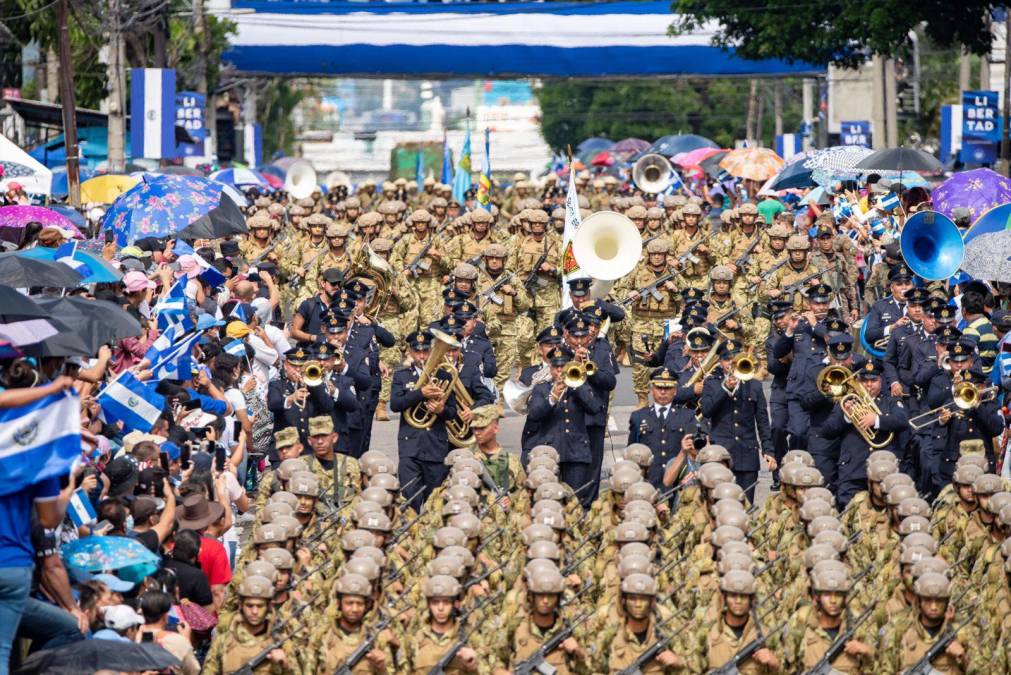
x=20, y=167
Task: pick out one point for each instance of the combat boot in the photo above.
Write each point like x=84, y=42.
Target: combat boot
x=381, y=414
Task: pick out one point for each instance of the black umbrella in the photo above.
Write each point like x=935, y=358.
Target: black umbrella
x=900, y=159
x=22, y=272
x=85, y=657
x=711, y=165
x=96, y=322
x=223, y=220
x=64, y=343
x=15, y=305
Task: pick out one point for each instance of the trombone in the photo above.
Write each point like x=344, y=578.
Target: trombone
x=966, y=396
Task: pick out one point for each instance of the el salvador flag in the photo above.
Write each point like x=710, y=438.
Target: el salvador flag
x=65, y=255
x=169, y=355
x=80, y=510
x=132, y=402
x=236, y=348
x=174, y=309
x=39, y=440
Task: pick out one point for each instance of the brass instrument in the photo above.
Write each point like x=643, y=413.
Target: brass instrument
x=458, y=431
x=312, y=374
x=840, y=383
x=369, y=265
x=709, y=363
x=517, y=396
x=833, y=381
x=575, y=373
x=944, y=363
x=418, y=416
x=965, y=395
x=745, y=367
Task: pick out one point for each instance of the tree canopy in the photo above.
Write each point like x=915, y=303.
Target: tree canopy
x=830, y=31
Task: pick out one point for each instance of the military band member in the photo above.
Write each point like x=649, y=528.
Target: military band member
x=661, y=426
x=889, y=313
x=292, y=402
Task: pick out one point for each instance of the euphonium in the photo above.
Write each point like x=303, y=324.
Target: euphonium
x=312, y=373
x=744, y=367
x=856, y=403
x=418, y=416
x=458, y=431
x=833, y=381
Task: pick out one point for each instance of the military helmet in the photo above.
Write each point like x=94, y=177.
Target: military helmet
x=729, y=490
x=734, y=561
x=269, y=533
x=455, y=454
x=304, y=484
x=734, y=548
x=738, y=519
x=658, y=246
x=639, y=584
x=691, y=209
x=546, y=581
x=721, y=273
x=284, y=497
x=829, y=564
x=376, y=461
x=373, y=553
x=895, y=496
x=973, y=460
x=464, y=554
x=261, y=568
x=542, y=505
x=280, y=558
x=385, y=481
x=913, y=506
x=543, y=463
x=641, y=490
x=538, y=477
x=449, y=536
x=780, y=230
x=747, y=209
x=913, y=554
x=553, y=491
x=721, y=535
x=366, y=567
x=738, y=581
x=537, y=532
x=622, y=478
x=713, y=453
x=467, y=464
x=468, y=523
x=831, y=581
x=813, y=508
x=292, y=528
x=551, y=519
x=350, y=583
x=932, y=585
x=895, y=479
x=800, y=456
x=808, y=476
x=930, y=564
x=463, y=493
x=630, y=530
x=532, y=567
x=966, y=475
x=289, y=466
x=545, y=451
x=998, y=501
x=1005, y=516
x=454, y=507
x=355, y=539
x=821, y=493
x=376, y=521
x=363, y=507
x=711, y=475
x=272, y=510
x=634, y=564
x=468, y=478
x=817, y=552
x=724, y=505
x=254, y=586
x=798, y=242
x=911, y=524
x=878, y=471
x=544, y=549
x=788, y=473
x=639, y=515
x=450, y=566
x=922, y=539
x=833, y=538
x=822, y=523
x=441, y=586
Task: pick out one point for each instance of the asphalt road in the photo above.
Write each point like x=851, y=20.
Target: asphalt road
x=384, y=434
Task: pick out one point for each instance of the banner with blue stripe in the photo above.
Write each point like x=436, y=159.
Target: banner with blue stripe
x=39, y=440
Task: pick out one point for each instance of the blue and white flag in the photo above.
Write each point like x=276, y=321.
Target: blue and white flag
x=174, y=308
x=462, y=179
x=131, y=402
x=65, y=254
x=39, y=440
x=236, y=348
x=446, y=177
x=252, y=144
x=153, y=113
x=182, y=248
x=788, y=145
x=169, y=355
x=80, y=510
x=888, y=202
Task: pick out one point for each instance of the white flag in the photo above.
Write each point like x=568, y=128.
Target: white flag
x=570, y=268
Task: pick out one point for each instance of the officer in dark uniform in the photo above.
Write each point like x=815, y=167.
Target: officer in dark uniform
x=781, y=314
x=818, y=405
x=853, y=448
x=561, y=412
x=291, y=401
x=547, y=339
x=738, y=418
x=477, y=349
x=899, y=368
x=421, y=451
x=980, y=423
x=928, y=354
x=603, y=382
x=469, y=373
x=889, y=313
x=699, y=342
x=661, y=425
x=344, y=384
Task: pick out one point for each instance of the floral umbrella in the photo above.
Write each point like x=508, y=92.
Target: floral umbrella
x=163, y=206
x=18, y=216
x=758, y=164
x=978, y=190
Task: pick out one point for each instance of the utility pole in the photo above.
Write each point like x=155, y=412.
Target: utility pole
x=210, y=112
x=777, y=107
x=69, y=106
x=749, y=122
x=116, y=101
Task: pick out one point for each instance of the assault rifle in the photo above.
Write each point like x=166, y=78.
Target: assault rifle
x=487, y=573
x=923, y=666
x=465, y=631
x=255, y=662
x=419, y=262
x=535, y=662
x=299, y=279
x=491, y=293
x=531, y=279
x=788, y=291
x=689, y=255
x=654, y=649
x=747, y=651
x=824, y=665
x=767, y=274
x=650, y=289
x=366, y=646
x=742, y=260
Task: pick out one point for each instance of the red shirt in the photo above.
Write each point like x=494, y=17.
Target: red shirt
x=214, y=561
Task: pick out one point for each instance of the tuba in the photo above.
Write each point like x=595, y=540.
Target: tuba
x=517, y=395
x=653, y=173
x=932, y=245
x=418, y=416
x=300, y=181
x=607, y=246
x=373, y=268
x=457, y=430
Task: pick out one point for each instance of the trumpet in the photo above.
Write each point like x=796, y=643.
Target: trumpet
x=966, y=396
x=312, y=374
x=575, y=373
x=744, y=367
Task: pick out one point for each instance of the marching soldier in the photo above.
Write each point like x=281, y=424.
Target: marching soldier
x=840, y=271
x=876, y=286
x=736, y=627
x=296, y=265
x=536, y=260
x=438, y=631
x=425, y=271
x=731, y=316
x=332, y=643
x=330, y=467
x=399, y=315
x=260, y=240
x=336, y=257
x=692, y=237
x=507, y=305
x=799, y=267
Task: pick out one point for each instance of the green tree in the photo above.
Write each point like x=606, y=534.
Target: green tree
x=826, y=31
x=274, y=103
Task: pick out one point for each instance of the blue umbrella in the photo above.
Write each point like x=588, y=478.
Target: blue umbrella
x=70, y=213
x=988, y=246
x=60, y=187
x=98, y=270
x=668, y=146
x=167, y=206
x=596, y=143
x=97, y=554
x=793, y=175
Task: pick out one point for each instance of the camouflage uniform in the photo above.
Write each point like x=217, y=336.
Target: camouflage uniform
x=428, y=283
x=514, y=326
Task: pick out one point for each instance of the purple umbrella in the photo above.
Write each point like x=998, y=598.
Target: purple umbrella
x=630, y=146
x=978, y=190
x=17, y=217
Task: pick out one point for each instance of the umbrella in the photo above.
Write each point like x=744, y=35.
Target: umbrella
x=22, y=272
x=17, y=217
x=61, y=188
x=814, y=196
x=106, y=189
x=180, y=170
x=15, y=306
x=630, y=146
x=899, y=159
x=85, y=657
x=70, y=213
x=674, y=144
x=239, y=177
x=272, y=180
x=21, y=168
x=793, y=175
x=166, y=206
x=30, y=331
x=66, y=343
x=988, y=246
x=711, y=165
x=99, y=270
x=837, y=159
x=978, y=190
x=275, y=171
x=593, y=143
x=759, y=164
x=97, y=554
x=96, y=322
x=603, y=158
x=696, y=156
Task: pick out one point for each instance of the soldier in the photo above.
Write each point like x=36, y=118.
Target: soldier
x=541, y=250
x=692, y=237
x=336, y=257
x=438, y=631
x=297, y=263
x=736, y=628
x=428, y=269
x=840, y=271
x=399, y=315
x=661, y=426
x=502, y=467
x=651, y=311
x=469, y=247
x=621, y=645
x=739, y=418
x=328, y=467
x=730, y=315
x=259, y=241
x=508, y=307
x=246, y=638
x=798, y=268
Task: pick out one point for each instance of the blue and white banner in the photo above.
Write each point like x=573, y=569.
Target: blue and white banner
x=489, y=40
x=132, y=402
x=80, y=510
x=169, y=354
x=153, y=113
x=39, y=440
x=788, y=145
x=252, y=144
x=236, y=348
x=855, y=133
x=981, y=116
x=190, y=116
x=951, y=132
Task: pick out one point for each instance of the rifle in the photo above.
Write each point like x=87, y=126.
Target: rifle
x=795, y=287
x=824, y=665
x=490, y=292
x=418, y=263
x=689, y=255
x=465, y=630
x=650, y=289
x=654, y=649
x=406, y=528
x=267, y=251
x=536, y=660
x=767, y=274
x=299, y=279
x=742, y=260
x=253, y=663
x=574, y=565
x=366, y=646
x=745, y=652
x=531, y=280
x=731, y=313
x=923, y=666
